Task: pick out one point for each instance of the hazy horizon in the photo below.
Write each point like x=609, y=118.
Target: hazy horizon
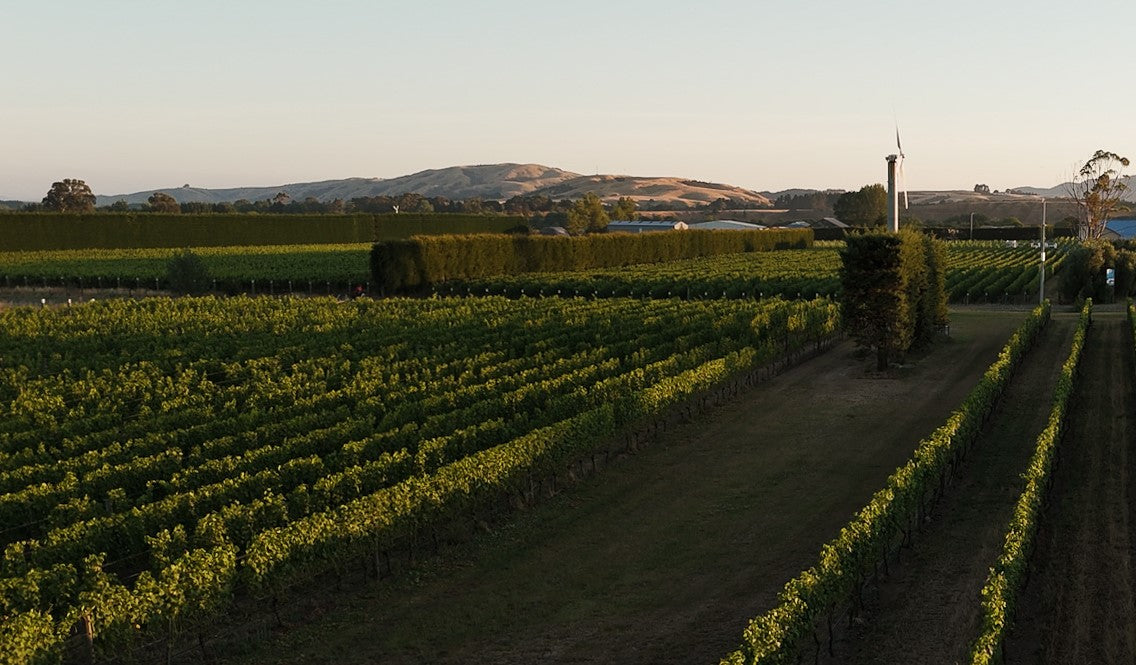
x=130, y=96
x=296, y=182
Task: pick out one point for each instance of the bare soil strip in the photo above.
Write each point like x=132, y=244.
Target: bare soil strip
x=663, y=558
x=1079, y=604
x=927, y=610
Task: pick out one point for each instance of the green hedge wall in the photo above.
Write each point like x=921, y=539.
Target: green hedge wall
x=50, y=231
x=400, y=265
x=894, y=293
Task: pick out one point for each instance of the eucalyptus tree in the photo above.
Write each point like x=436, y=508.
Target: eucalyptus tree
x=1099, y=188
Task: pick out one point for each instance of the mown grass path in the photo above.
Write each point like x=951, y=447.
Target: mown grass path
x=927, y=609
x=1079, y=604
x=661, y=558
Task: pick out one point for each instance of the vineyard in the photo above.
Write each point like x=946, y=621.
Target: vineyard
x=320, y=269
x=160, y=459
x=978, y=272
x=168, y=463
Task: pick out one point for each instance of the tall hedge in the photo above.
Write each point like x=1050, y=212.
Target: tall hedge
x=50, y=231
x=400, y=265
x=1084, y=273
x=894, y=295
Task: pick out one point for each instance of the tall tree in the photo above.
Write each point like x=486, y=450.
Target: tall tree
x=894, y=295
x=872, y=292
x=163, y=202
x=69, y=195
x=867, y=207
x=587, y=215
x=1099, y=189
x=625, y=209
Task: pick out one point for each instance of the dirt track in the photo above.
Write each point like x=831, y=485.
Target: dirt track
x=1079, y=605
x=927, y=610
x=664, y=557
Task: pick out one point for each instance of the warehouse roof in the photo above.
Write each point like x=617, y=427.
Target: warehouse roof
x=640, y=226
x=727, y=224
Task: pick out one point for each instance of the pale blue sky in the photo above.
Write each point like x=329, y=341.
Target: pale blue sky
x=132, y=95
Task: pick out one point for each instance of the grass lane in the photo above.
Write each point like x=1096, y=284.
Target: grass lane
x=661, y=558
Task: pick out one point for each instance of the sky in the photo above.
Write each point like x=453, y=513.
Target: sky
x=131, y=95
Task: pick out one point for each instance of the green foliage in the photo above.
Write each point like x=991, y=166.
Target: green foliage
x=30, y=638
x=975, y=272
x=164, y=203
x=983, y=271
x=186, y=273
x=69, y=196
x=275, y=268
x=871, y=297
x=1084, y=274
x=1125, y=273
x=587, y=215
x=967, y=271
x=934, y=306
x=867, y=207
x=787, y=632
x=267, y=440
x=106, y=230
x=999, y=594
x=625, y=209
x=790, y=273
x=893, y=293
x=422, y=261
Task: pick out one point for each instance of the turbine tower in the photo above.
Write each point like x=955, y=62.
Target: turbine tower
x=893, y=196
x=895, y=162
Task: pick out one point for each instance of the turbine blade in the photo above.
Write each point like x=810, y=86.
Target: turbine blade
x=902, y=181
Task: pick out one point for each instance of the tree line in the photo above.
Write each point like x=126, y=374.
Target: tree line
x=808, y=200
x=74, y=195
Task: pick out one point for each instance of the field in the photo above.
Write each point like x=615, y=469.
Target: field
x=1079, y=606
x=290, y=433
x=562, y=479
x=319, y=269
x=978, y=271
x=706, y=526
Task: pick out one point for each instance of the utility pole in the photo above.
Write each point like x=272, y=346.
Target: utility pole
x=1041, y=289
x=972, y=226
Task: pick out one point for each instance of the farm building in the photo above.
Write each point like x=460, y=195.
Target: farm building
x=727, y=225
x=642, y=226
x=1121, y=228
x=826, y=223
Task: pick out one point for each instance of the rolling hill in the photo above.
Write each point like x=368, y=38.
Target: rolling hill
x=493, y=181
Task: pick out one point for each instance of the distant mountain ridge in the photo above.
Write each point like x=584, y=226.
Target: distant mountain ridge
x=1061, y=191
x=491, y=181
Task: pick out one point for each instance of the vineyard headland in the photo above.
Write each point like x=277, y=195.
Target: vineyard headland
x=165, y=463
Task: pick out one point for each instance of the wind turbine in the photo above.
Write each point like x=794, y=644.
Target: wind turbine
x=893, y=162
